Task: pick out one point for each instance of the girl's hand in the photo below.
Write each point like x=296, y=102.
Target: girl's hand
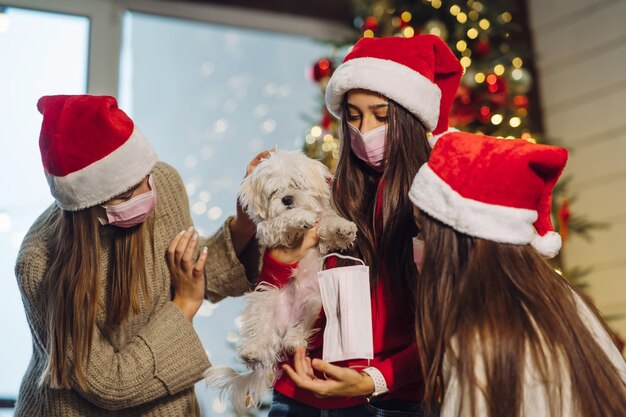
x=187, y=276
x=340, y=382
x=293, y=255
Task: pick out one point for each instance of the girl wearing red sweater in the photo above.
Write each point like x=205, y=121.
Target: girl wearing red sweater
x=389, y=93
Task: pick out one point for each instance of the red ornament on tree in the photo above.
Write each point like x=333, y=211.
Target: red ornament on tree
x=369, y=23
x=482, y=48
x=497, y=87
x=464, y=109
x=326, y=120
x=496, y=84
x=521, y=101
x=322, y=69
x=485, y=114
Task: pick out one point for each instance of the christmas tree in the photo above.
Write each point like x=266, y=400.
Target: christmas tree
x=497, y=95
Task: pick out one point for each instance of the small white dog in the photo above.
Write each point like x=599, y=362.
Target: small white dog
x=285, y=195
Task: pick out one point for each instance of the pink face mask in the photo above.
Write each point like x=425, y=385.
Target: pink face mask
x=418, y=253
x=134, y=211
x=369, y=148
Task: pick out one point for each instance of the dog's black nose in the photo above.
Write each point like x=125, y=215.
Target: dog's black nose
x=287, y=200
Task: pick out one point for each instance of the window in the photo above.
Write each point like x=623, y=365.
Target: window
x=40, y=53
x=209, y=98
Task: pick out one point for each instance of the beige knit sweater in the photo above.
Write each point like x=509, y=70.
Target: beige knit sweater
x=147, y=367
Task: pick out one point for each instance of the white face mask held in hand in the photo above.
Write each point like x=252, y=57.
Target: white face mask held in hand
x=347, y=305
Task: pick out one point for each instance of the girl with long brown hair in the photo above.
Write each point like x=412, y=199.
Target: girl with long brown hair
x=500, y=332
x=389, y=93
x=110, y=275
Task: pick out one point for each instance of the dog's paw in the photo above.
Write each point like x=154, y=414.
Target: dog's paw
x=250, y=357
x=296, y=337
x=323, y=247
x=300, y=219
x=336, y=233
x=346, y=234
x=252, y=354
x=285, y=229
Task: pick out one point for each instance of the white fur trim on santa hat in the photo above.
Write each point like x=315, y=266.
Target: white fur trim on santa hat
x=104, y=179
x=548, y=245
x=487, y=221
x=398, y=82
x=432, y=139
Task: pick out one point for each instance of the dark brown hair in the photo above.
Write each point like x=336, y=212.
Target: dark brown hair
x=504, y=303
x=73, y=287
x=356, y=187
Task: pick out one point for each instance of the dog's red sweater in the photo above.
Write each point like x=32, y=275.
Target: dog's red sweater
x=395, y=350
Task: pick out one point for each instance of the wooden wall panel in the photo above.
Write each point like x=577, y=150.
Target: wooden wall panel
x=578, y=36
x=600, y=252
x=591, y=165
x=581, y=56
x=604, y=202
x=546, y=12
x=604, y=71
x=602, y=112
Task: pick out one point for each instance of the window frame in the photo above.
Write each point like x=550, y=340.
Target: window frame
x=106, y=32
x=106, y=27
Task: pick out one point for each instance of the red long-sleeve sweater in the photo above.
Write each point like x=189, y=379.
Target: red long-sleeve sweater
x=395, y=351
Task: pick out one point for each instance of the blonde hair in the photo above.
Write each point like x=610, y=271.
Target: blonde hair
x=72, y=282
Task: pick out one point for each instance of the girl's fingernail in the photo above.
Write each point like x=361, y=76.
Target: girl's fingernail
x=205, y=250
x=190, y=229
x=181, y=233
x=194, y=237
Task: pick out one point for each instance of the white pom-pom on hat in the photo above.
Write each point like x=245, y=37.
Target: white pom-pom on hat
x=548, y=245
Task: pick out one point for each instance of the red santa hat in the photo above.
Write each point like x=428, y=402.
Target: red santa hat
x=90, y=149
x=419, y=73
x=494, y=189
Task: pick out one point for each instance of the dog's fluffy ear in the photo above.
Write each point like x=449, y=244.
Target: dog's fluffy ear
x=316, y=169
x=251, y=198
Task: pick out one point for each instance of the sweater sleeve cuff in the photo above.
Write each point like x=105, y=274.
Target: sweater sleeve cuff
x=380, y=384
x=179, y=357
x=275, y=272
x=400, y=368
x=225, y=274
